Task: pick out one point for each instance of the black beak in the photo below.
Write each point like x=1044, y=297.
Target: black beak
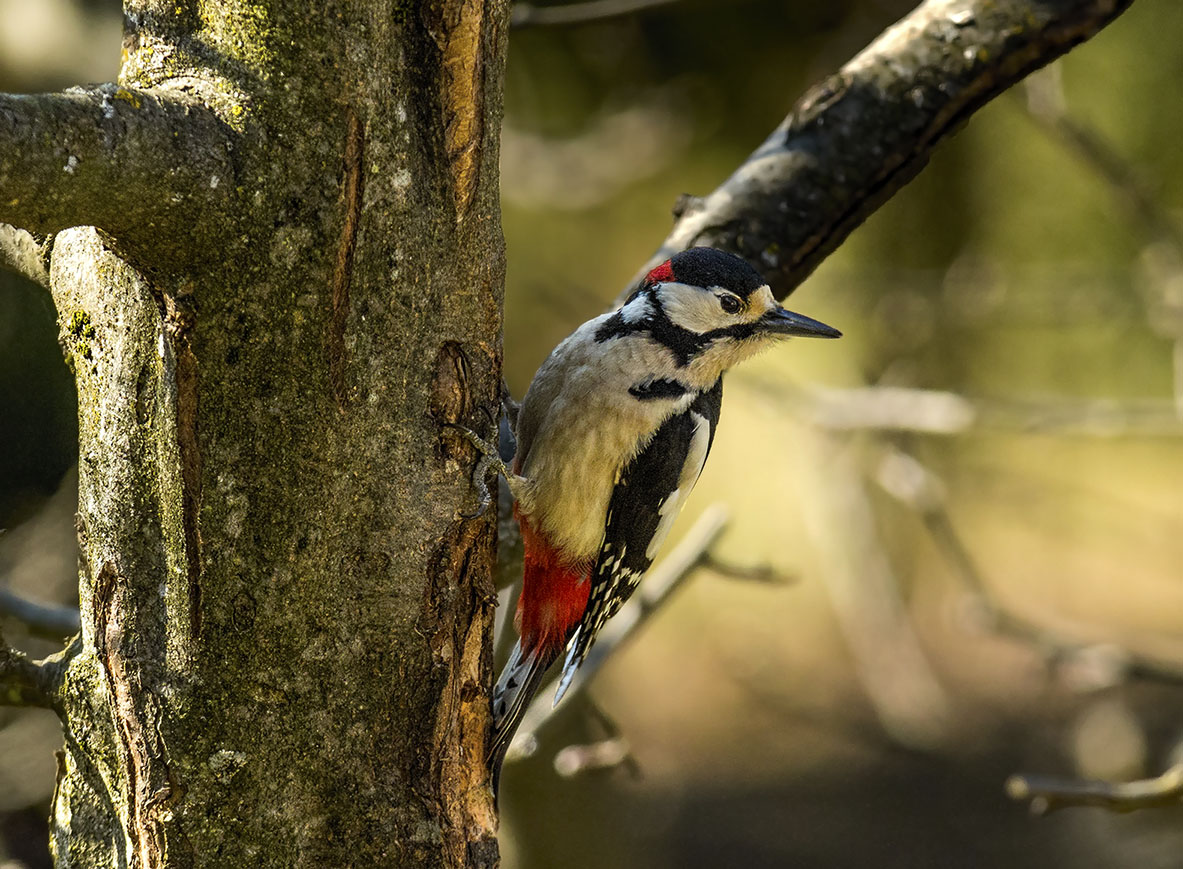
x=778, y=321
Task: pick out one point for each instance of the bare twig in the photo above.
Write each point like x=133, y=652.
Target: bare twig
x=22, y=253
x=524, y=15
x=608, y=753
x=759, y=573
x=855, y=139
x=46, y=620
x=1049, y=793
x=656, y=589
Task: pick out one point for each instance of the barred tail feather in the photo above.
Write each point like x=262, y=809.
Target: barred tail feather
x=516, y=686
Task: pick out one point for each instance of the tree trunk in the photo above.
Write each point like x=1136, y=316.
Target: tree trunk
x=284, y=656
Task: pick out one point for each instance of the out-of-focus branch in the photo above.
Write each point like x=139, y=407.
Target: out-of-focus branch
x=1046, y=104
x=146, y=167
x=574, y=760
x=45, y=620
x=906, y=479
x=765, y=574
x=1049, y=793
x=22, y=253
x=895, y=674
x=524, y=15
x=608, y=753
x=855, y=139
x=659, y=585
x=902, y=409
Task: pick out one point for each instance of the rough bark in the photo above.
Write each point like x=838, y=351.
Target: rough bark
x=292, y=278
x=856, y=138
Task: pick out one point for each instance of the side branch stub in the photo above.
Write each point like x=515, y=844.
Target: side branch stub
x=153, y=171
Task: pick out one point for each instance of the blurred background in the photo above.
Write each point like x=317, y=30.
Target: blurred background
x=956, y=536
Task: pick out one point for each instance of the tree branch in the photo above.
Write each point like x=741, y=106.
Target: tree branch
x=149, y=169
x=24, y=682
x=865, y=596
x=1048, y=793
x=855, y=139
x=24, y=254
x=528, y=15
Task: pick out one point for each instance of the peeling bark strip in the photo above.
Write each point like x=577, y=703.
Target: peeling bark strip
x=151, y=792
x=851, y=142
x=354, y=188
x=467, y=815
x=455, y=26
x=178, y=325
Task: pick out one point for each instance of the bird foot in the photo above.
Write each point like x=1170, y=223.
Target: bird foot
x=490, y=460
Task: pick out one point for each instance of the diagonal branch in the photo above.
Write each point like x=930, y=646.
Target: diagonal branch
x=914, y=485
x=150, y=169
x=855, y=139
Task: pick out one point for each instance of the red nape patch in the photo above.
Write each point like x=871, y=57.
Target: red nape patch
x=554, y=593
x=664, y=272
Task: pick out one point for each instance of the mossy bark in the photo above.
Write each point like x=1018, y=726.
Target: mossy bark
x=285, y=648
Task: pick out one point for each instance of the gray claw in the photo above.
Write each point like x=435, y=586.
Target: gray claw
x=490, y=459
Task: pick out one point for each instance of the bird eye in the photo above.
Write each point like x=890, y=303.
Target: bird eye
x=730, y=304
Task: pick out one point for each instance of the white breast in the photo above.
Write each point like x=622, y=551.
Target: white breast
x=585, y=427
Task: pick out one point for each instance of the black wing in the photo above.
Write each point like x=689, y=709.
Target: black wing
x=646, y=500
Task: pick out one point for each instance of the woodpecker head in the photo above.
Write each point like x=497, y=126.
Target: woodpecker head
x=712, y=310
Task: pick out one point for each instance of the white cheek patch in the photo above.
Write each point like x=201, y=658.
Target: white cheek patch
x=691, y=307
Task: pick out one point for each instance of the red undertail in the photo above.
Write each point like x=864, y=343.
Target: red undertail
x=554, y=594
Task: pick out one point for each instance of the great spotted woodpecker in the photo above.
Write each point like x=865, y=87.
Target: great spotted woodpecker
x=611, y=437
